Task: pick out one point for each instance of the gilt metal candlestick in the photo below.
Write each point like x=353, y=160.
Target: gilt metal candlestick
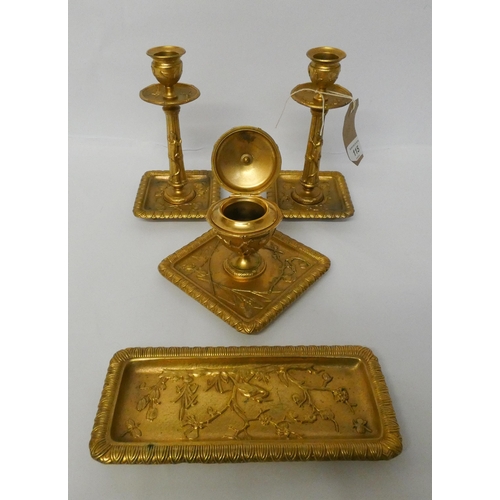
x=315, y=195
x=243, y=269
x=175, y=194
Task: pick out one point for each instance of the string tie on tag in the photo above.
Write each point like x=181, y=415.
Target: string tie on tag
x=322, y=93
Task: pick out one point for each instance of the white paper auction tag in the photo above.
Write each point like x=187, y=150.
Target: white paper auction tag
x=354, y=151
x=351, y=141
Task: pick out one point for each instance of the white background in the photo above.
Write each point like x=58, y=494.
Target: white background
x=245, y=57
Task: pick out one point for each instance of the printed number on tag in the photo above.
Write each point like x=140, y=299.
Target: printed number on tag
x=354, y=150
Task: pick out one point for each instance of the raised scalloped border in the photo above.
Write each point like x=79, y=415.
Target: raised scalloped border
x=167, y=269
x=142, y=213
x=104, y=450
x=305, y=213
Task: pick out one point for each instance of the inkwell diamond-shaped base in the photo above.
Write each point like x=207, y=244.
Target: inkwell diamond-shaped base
x=247, y=305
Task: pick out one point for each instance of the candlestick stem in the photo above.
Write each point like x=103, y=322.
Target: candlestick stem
x=179, y=190
x=307, y=191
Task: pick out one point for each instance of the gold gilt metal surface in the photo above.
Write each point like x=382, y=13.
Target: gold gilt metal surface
x=316, y=195
x=177, y=194
x=247, y=305
x=242, y=404
x=305, y=94
x=245, y=161
x=150, y=202
x=183, y=93
x=336, y=203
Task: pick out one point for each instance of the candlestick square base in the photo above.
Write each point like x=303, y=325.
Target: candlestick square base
x=336, y=203
x=150, y=203
x=247, y=305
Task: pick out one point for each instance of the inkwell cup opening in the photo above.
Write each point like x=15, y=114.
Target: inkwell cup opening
x=243, y=210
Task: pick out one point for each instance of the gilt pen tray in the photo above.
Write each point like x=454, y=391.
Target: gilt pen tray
x=244, y=404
